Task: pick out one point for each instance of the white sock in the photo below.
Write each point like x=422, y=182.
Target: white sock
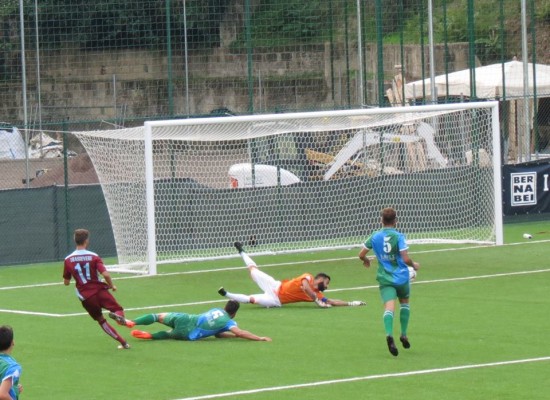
x=241, y=298
x=247, y=260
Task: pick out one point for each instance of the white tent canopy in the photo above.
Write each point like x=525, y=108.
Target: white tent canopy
x=491, y=82
x=12, y=145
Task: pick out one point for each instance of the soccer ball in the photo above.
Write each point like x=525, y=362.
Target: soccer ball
x=412, y=274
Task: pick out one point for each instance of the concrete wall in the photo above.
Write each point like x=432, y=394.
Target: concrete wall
x=77, y=85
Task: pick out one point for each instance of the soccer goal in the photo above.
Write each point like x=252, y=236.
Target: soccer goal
x=182, y=190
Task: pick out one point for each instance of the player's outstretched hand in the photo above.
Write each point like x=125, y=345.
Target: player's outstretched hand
x=356, y=303
x=322, y=304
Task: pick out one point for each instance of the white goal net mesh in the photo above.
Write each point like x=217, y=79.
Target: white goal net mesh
x=291, y=182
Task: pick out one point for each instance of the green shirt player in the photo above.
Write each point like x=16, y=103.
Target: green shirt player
x=391, y=250
x=215, y=322
x=10, y=370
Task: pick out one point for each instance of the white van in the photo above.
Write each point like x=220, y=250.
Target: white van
x=248, y=175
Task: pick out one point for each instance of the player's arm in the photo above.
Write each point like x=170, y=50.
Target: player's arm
x=320, y=301
x=66, y=275
x=407, y=260
x=306, y=287
x=363, y=257
x=224, y=335
x=241, y=333
x=107, y=276
x=5, y=388
x=342, y=303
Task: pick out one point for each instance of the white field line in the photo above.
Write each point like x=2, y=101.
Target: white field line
x=164, y=306
x=125, y=309
x=32, y=313
x=264, y=266
x=366, y=378
x=325, y=260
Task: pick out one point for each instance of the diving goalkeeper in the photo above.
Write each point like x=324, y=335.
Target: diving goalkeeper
x=304, y=288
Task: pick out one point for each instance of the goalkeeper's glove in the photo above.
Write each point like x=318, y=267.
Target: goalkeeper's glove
x=356, y=303
x=323, y=303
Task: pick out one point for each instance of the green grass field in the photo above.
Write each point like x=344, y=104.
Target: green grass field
x=479, y=330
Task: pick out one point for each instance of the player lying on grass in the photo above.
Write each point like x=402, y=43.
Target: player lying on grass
x=303, y=288
x=215, y=322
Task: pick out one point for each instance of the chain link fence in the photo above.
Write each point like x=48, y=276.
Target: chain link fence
x=68, y=65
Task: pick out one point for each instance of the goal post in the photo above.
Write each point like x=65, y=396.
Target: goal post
x=182, y=190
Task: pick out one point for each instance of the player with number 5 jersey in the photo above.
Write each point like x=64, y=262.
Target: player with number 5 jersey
x=391, y=250
x=93, y=282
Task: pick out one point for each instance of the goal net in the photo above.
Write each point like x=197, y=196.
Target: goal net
x=182, y=190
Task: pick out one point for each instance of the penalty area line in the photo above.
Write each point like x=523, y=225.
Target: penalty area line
x=79, y=314
x=205, y=302
x=31, y=313
x=366, y=378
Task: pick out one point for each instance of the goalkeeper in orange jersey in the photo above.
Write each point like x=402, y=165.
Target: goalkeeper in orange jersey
x=304, y=288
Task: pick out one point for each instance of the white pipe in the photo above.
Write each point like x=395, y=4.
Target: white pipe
x=497, y=178
x=150, y=200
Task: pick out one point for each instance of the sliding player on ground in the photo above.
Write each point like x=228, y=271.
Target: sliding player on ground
x=304, y=288
x=215, y=322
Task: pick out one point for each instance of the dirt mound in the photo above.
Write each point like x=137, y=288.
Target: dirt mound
x=81, y=172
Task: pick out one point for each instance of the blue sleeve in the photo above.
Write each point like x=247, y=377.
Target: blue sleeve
x=13, y=371
x=230, y=324
x=199, y=333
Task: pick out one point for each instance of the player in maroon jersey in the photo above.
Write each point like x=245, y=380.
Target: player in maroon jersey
x=87, y=268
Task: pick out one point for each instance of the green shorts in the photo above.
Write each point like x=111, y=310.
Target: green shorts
x=391, y=292
x=180, y=324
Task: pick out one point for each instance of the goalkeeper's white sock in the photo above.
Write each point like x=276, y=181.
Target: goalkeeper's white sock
x=247, y=260
x=241, y=298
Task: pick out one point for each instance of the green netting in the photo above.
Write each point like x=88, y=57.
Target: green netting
x=74, y=65
x=94, y=65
